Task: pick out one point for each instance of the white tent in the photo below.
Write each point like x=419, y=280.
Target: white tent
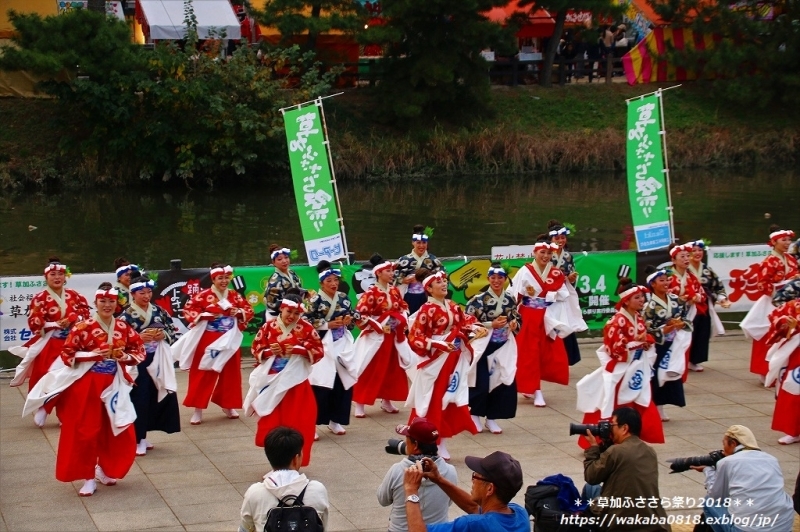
x=165, y=19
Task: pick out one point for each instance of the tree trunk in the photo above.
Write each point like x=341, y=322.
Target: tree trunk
x=316, y=9
x=552, y=46
x=97, y=5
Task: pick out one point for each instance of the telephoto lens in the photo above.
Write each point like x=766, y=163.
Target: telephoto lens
x=394, y=446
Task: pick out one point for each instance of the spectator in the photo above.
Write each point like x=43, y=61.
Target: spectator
x=747, y=474
x=284, y=449
x=627, y=469
x=496, y=479
x=421, y=438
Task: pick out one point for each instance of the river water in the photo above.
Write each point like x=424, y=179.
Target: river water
x=87, y=230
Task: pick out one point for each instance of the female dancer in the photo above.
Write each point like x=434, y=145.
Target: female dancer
x=331, y=314
x=280, y=393
x=125, y=272
x=664, y=317
x=90, y=445
x=280, y=281
x=407, y=266
x=784, y=367
x=441, y=334
x=715, y=293
x=382, y=312
x=154, y=395
x=563, y=260
x=52, y=313
x=494, y=393
x=217, y=310
x=684, y=284
x=540, y=290
x=623, y=378
x=777, y=269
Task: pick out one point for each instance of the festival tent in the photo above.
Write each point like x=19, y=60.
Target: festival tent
x=539, y=23
x=164, y=19
x=645, y=64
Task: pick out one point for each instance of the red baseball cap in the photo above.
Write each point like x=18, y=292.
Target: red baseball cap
x=420, y=430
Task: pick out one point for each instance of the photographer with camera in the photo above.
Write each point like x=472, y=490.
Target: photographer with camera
x=421, y=436
x=748, y=483
x=627, y=469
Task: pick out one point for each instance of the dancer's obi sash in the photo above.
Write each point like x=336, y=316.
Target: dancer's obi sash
x=778, y=358
x=339, y=358
x=502, y=363
x=215, y=356
x=162, y=370
x=673, y=365
x=116, y=397
x=28, y=354
x=266, y=391
x=597, y=391
x=457, y=392
x=371, y=338
x=556, y=315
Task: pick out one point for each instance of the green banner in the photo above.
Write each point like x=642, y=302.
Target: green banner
x=646, y=183
x=596, y=283
x=311, y=175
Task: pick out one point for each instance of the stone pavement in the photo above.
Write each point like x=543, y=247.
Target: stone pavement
x=194, y=480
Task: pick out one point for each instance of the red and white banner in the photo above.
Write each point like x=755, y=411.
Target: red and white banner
x=737, y=268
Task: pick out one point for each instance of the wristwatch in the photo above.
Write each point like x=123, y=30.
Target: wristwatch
x=413, y=498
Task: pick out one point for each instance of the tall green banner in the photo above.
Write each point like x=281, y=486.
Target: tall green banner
x=646, y=181
x=313, y=188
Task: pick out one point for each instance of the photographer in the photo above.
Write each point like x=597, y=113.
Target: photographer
x=421, y=438
x=628, y=469
x=753, y=478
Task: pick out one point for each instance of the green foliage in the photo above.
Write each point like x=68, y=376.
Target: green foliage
x=312, y=18
x=756, y=59
x=434, y=70
x=171, y=111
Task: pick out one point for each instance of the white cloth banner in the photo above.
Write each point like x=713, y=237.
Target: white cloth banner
x=221, y=350
x=54, y=382
x=119, y=406
x=338, y=359
x=183, y=350
x=502, y=363
x=162, y=370
x=421, y=392
x=673, y=365
x=778, y=358
x=736, y=267
x=597, y=391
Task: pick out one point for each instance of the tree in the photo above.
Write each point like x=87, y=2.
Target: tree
x=433, y=64
x=293, y=18
x=598, y=8
x=756, y=56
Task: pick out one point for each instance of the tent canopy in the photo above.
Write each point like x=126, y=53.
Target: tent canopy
x=539, y=22
x=164, y=19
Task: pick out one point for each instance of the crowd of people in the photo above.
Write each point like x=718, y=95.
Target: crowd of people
x=109, y=374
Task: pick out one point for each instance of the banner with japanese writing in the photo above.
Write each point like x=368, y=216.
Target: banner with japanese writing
x=311, y=174
x=646, y=185
x=737, y=267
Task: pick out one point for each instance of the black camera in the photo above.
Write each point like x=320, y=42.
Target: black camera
x=397, y=447
x=602, y=430
x=679, y=465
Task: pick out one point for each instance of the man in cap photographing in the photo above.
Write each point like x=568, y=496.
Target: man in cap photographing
x=496, y=479
x=421, y=437
x=749, y=486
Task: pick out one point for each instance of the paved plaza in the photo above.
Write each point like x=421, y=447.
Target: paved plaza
x=194, y=480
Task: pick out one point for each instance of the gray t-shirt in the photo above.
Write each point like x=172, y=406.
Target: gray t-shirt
x=433, y=501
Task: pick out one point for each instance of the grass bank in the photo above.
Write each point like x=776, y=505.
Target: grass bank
x=563, y=129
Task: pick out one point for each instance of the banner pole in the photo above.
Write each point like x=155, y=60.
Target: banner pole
x=654, y=92
x=318, y=103
x=663, y=133
x=299, y=105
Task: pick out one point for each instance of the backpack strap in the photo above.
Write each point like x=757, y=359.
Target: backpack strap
x=293, y=500
x=299, y=500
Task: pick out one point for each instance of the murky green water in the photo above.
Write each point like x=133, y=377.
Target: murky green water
x=88, y=230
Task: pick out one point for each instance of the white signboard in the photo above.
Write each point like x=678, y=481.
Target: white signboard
x=737, y=268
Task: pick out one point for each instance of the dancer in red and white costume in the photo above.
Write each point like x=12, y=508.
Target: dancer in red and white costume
x=217, y=311
x=95, y=443
x=542, y=296
x=52, y=313
x=440, y=334
x=784, y=369
x=778, y=268
x=280, y=392
x=684, y=284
